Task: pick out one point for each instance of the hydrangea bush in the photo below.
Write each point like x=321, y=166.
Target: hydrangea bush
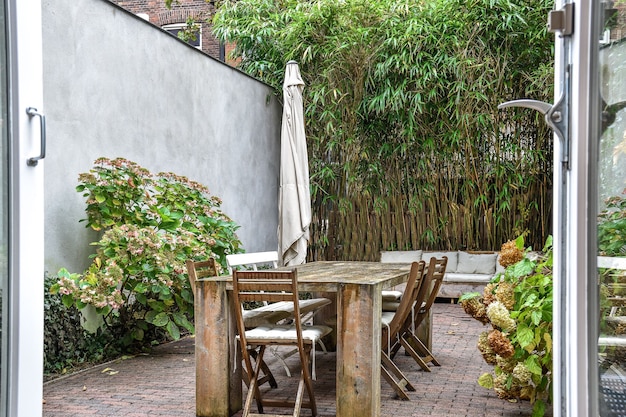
x=151, y=225
x=518, y=307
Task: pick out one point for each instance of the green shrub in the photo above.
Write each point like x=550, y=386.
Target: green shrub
x=518, y=306
x=612, y=243
x=612, y=227
x=152, y=224
x=66, y=343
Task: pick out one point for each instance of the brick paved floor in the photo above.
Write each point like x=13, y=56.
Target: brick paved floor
x=163, y=382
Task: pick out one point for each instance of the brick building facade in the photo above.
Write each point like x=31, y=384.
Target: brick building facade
x=175, y=18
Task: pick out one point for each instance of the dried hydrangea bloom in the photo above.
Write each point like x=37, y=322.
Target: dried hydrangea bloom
x=527, y=392
x=489, y=293
x=506, y=364
x=500, y=317
x=485, y=350
x=522, y=373
x=500, y=344
x=505, y=293
x=475, y=308
x=500, y=387
x=510, y=254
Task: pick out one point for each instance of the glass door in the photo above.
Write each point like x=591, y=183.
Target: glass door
x=611, y=202
x=22, y=149
x=590, y=210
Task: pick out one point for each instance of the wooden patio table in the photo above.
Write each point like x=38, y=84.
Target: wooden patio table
x=358, y=287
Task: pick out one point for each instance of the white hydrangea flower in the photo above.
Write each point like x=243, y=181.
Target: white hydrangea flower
x=500, y=316
x=522, y=373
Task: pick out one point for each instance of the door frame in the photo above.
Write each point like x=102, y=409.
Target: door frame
x=575, y=212
x=24, y=357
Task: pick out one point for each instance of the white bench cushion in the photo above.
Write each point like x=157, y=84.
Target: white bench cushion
x=471, y=263
x=461, y=278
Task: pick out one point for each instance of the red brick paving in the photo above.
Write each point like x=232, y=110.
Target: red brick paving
x=163, y=382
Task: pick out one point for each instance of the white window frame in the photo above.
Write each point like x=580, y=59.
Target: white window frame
x=182, y=26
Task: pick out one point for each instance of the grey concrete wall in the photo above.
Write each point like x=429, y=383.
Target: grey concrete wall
x=116, y=86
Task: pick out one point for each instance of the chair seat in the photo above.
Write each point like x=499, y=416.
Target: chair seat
x=306, y=306
x=393, y=306
x=256, y=317
x=386, y=317
x=286, y=333
x=391, y=295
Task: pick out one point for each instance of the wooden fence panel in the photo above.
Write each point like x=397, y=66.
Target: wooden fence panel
x=360, y=233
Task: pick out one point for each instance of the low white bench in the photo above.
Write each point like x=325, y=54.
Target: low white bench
x=467, y=271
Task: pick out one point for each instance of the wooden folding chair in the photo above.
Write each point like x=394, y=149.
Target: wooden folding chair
x=274, y=312
x=274, y=286
x=204, y=269
x=393, y=323
x=407, y=338
x=200, y=269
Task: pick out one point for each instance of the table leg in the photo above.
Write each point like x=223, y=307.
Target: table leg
x=358, y=350
x=218, y=386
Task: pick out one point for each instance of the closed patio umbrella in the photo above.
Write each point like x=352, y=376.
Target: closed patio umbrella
x=294, y=210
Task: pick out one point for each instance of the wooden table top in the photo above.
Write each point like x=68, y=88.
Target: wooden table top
x=325, y=276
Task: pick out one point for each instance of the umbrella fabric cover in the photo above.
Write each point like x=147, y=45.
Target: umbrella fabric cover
x=294, y=211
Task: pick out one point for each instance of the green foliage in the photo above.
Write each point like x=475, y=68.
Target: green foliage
x=120, y=192
x=612, y=243
x=66, y=344
x=521, y=351
x=612, y=227
x=401, y=98
x=152, y=224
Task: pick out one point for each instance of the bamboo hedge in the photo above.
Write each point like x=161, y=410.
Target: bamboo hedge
x=407, y=149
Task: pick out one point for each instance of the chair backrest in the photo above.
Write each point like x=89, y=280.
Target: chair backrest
x=201, y=269
x=252, y=259
x=265, y=286
x=436, y=271
x=413, y=291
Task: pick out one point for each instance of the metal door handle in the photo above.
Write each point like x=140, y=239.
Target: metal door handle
x=556, y=116
x=32, y=111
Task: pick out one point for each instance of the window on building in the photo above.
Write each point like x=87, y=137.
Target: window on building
x=192, y=36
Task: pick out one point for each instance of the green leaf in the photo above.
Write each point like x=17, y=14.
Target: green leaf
x=486, y=381
x=522, y=268
x=156, y=305
x=532, y=363
x=160, y=319
x=150, y=315
x=173, y=330
x=100, y=198
x=536, y=317
x=141, y=298
x=525, y=336
x=539, y=409
x=181, y=320
x=137, y=334
x=469, y=296
x=548, y=244
x=68, y=300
